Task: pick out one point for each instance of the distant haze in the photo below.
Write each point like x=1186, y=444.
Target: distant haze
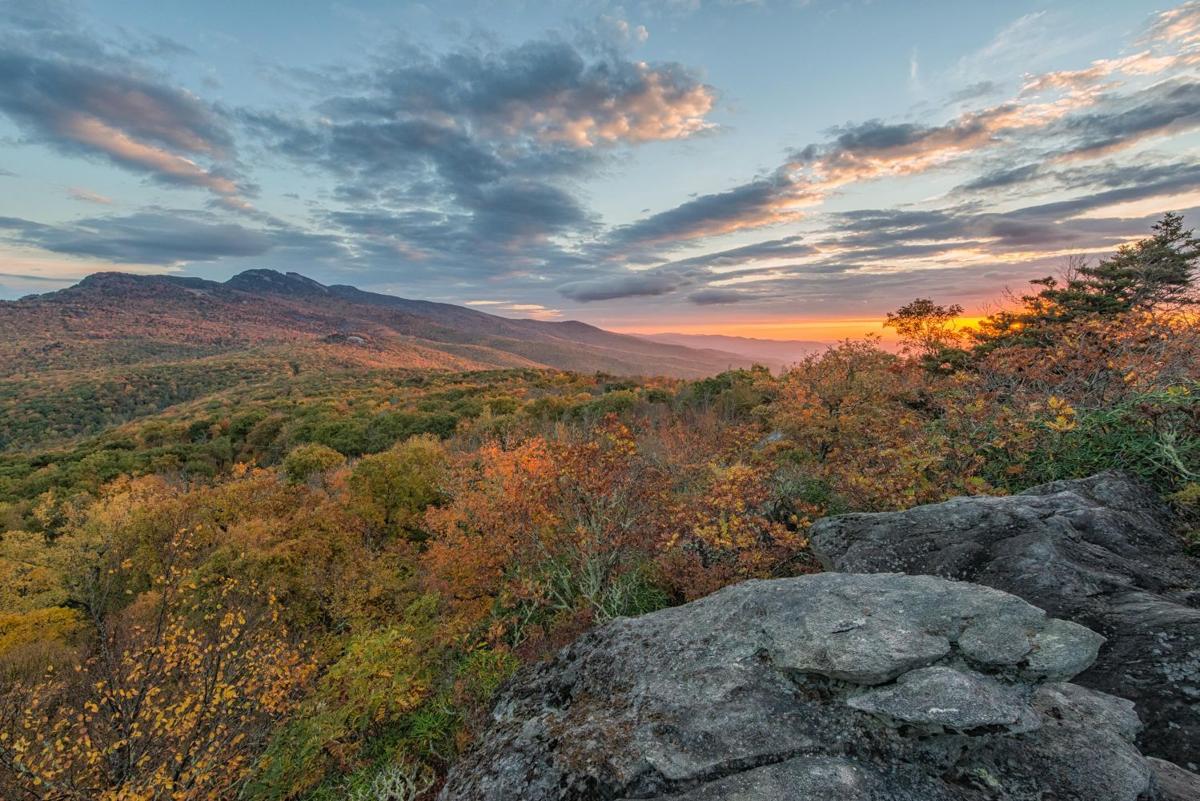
x=772, y=352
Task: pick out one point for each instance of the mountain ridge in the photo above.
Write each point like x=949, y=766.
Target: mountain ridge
x=265, y=306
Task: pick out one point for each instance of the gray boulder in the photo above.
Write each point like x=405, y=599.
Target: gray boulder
x=879, y=687
x=1096, y=551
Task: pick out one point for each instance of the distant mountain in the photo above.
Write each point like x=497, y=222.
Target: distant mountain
x=772, y=352
x=111, y=319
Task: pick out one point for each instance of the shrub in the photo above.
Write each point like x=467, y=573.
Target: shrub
x=307, y=461
x=391, y=490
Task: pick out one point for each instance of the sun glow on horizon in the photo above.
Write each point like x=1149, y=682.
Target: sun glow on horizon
x=782, y=330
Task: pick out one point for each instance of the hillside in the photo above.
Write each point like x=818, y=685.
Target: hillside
x=117, y=347
x=117, y=318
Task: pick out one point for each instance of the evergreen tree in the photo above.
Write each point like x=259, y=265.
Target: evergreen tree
x=1157, y=273
x=1151, y=274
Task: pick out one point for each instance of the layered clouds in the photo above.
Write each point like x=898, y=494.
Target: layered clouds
x=1081, y=139
x=85, y=97
x=467, y=164
x=464, y=172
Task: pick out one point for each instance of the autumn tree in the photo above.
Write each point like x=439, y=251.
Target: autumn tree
x=312, y=459
x=563, y=527
x=391, y=490
x=173, y=698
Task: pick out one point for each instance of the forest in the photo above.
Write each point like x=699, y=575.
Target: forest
x=307, y=581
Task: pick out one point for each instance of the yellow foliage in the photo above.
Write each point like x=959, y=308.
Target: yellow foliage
x=54, y=624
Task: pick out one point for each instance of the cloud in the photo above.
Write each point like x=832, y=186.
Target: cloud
x=467, y=161
x=1144, y=63
x=613, y=32
x=892, y=233
x=620, y=286
x=856, y=153
x=959, y=251
x=462, y=170
x=871, y=149
x=144, y=238
x=540, y=99
x=72, y=93
x=712, y=297
x=546, y=91
x=765, y=201
x=88, y=196
x=38, y=278
x=1163, y=109
x=788, y=247
x=1027, y=42
x=517, y=209
x=1064, y=115
x=462, y=206
x=999, y=179
x=974, y=91
x=535, y=311
x=1179, y=25
x=1147, y=179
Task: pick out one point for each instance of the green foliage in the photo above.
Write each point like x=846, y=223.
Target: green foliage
x=1151, y=435
x=381, y=677
x=1152, y=273
x=1186, y=503
x=733, y=393
x=45, y=409
x=395, y=782
x=1155, y=274
x=484, y=670
x=618, y=401
x=391, y=489
x=307, y=461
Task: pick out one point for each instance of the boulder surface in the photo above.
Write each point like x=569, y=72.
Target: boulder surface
x=880, y=687
x=1096, y=551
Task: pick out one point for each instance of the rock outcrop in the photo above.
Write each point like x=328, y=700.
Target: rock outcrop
x=1095, y=551
x=877, y=687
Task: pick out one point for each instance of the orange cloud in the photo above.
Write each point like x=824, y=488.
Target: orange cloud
x=122, y=147
x=1178, y=25
x=660, y=108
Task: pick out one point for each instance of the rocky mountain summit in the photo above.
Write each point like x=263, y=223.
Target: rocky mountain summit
x=881, y=686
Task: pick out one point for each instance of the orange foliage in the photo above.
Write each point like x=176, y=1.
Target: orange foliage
x=564, y=526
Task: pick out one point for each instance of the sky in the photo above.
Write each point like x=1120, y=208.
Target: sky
x=770, y=168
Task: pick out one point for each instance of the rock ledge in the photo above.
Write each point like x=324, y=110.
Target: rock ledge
x=1096, y=551
x=880, y=687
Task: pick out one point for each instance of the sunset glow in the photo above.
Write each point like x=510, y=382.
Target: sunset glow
x=819, y=330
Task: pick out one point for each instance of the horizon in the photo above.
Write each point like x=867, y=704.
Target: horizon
x=855, y=329
x=855, y=326
x=628, y=167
